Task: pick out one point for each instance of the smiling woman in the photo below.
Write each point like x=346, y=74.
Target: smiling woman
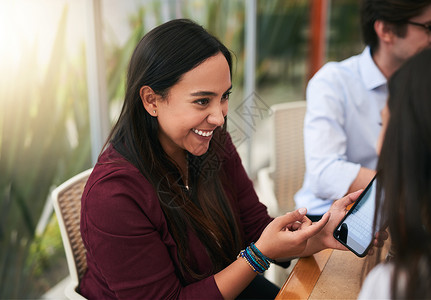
x=169, y=206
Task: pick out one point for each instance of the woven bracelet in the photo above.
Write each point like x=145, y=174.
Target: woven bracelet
x=262, y=263
x=258, y=262
x=248, y=261
x=260, y=254
x=255, y=267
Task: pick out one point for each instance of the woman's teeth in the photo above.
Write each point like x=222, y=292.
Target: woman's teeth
x=202, y=133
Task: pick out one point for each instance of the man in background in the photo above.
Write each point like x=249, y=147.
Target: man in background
x=344, y=100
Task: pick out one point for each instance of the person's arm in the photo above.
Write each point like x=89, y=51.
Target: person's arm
x=329, y=172
x=362, y=179
x=233, y=279
x=285, y=236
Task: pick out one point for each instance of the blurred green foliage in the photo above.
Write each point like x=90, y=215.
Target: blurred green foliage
x=44, y=129
x=344, y=30
x=46, y=259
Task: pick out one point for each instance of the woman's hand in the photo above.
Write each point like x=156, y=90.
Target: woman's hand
x=325, y=238
x=294, y=235
x=338, y=211
x=379, y=241
x=288, y=235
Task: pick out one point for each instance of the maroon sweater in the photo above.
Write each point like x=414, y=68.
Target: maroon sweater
x=130, y=251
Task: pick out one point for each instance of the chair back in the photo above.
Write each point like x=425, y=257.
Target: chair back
x=66, y=199
x=287, y=161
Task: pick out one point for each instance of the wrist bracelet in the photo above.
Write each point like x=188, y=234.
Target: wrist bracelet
x=263, y=264
x=258, y=262
x=243, y=255
x=253, y=246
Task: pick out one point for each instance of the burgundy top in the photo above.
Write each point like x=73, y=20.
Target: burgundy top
x=130, y=251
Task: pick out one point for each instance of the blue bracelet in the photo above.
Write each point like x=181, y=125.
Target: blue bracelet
x=243, y=255
x=255, y=250
x=264, y=264
x=255, y=259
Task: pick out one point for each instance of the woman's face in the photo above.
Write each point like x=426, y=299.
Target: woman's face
x=385, y=119
x=194, y=108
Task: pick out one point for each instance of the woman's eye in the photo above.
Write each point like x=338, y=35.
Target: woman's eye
x=204, y=101
x=226, y=96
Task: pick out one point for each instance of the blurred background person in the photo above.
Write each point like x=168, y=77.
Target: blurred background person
x=344, y=100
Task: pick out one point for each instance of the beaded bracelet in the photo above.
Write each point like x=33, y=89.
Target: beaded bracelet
x=253, y=246
x=243, y=255
x=258, y=262
x=263, y=264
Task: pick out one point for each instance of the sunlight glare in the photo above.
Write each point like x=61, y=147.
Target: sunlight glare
x=27, y=27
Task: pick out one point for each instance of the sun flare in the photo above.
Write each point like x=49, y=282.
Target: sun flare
x=28, y=28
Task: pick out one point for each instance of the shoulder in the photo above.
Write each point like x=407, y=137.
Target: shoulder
x=334, y=86
x=378, y=282
x=113, y=173
x=341, y=71
x=117, y=188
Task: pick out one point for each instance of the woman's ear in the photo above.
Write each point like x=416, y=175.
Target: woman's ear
x=149, y=100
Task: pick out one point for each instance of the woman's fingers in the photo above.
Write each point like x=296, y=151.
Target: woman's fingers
x=381, y=237
x=299, y=224
x=290, y=219
x=309, y=229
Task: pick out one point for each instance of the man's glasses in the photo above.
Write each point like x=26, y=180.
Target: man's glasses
x=426, y=26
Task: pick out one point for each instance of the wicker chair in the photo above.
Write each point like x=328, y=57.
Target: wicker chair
x=67, y=204
x=279, y=182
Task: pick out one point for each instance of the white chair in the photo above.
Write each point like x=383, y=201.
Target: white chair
x=279, y=182
x=67, y=204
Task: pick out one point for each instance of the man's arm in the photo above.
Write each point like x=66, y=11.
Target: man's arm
x=362, y=179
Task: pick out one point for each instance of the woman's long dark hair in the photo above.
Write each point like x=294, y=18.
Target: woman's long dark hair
x=404, y=174
x=160, y=59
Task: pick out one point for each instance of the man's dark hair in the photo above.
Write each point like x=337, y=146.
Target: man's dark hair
x=394, y=12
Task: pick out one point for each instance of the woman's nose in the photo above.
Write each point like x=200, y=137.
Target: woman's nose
x=216, y=117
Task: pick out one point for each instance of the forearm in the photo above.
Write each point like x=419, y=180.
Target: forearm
x=286, y=236
x=362, y=179
x=314, y=245
x=232, y=280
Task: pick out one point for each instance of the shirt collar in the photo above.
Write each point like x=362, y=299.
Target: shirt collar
x=370, y=73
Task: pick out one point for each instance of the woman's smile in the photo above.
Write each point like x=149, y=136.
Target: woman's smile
x=203, y=133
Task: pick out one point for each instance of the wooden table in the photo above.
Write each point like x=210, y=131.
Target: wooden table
x=329, y=274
